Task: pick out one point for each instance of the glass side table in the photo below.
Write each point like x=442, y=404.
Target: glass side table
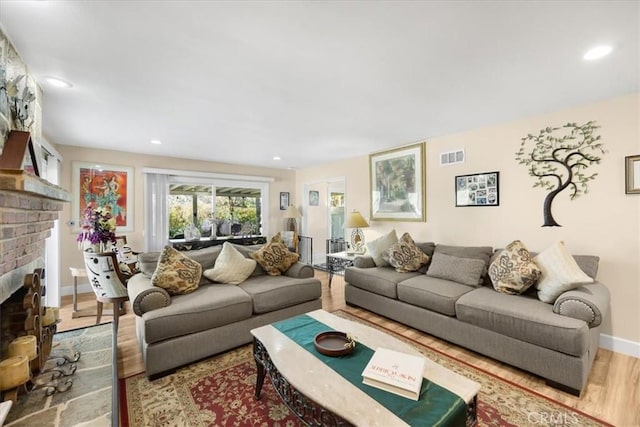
x=338, y=261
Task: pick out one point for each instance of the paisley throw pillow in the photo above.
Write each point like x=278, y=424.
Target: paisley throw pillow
x=274, y=257
x=513, y=271
x=176, y=272
x=405, y=256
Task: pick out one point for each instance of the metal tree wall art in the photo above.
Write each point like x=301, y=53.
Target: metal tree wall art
x=558, y=160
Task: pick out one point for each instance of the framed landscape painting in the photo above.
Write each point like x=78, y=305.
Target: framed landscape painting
x=397, y=179
x=105, y=186
x=480, y=189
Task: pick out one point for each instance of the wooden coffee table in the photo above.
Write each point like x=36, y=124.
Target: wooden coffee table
x=320, y=396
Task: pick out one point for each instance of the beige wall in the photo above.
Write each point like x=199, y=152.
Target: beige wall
x=72, y=257
x=315, y=218
x=604, y=222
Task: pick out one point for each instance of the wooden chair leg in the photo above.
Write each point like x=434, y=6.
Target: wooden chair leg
x=99, y=313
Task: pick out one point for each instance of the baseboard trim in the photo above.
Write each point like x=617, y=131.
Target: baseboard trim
x=84, y=288
x=620, y=345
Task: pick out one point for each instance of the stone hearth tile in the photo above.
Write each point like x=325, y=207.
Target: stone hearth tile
x=91, y=409
x=84, y=382
x=43, y=419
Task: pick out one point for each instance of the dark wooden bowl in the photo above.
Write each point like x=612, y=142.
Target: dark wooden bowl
x=332, y=343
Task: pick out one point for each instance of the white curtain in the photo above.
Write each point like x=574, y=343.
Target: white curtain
x=156, y=212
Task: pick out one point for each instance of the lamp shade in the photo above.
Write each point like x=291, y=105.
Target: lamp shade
x=355, y=220
x=291, y=212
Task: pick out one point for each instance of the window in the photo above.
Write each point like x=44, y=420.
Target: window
x=222, y=211
x=200, y=200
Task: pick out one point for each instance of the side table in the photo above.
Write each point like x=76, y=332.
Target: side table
x=338, y=261
x=98, y=312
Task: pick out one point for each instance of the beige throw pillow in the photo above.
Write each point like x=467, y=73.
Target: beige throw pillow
x=274, y=257
x=513, y=271
x=560, y=273
x=231, y=266
x=405, y=256
x=377, y=247
x=176, y=272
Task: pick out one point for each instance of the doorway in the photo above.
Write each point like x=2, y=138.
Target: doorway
x=325, y=219
x=335, y=212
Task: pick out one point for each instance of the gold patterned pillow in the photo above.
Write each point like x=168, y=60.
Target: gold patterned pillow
x=176, y=272
x=274, y=257
x=405, y=256
x=513, y=271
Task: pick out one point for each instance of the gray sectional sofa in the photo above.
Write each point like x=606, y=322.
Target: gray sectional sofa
x=555, y=341
x=176, y=330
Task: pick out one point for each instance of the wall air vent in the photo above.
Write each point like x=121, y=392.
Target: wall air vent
x=452, y=157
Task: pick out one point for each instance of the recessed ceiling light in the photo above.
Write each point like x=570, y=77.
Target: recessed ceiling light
x=156, y=141
x=56, y=82
x=276, y=157
x=597, y=52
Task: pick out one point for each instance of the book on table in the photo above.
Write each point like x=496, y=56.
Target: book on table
x=395, y=372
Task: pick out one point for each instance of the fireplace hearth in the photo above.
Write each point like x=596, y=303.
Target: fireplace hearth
x=28, y=208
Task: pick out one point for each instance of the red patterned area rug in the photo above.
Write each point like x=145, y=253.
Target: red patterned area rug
x=219, y=392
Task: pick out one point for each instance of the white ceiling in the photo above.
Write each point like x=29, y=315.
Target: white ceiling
x=311, y=82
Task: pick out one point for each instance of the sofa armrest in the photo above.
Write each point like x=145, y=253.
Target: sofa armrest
x=300, y=271
x=144, y=296
x=364, y=261
x=588, y=302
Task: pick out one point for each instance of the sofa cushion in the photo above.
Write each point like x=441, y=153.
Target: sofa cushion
x=513, y=271
x=176, y=272
x=405, y=256
x=434, y=294
x=560, y=273
x=147, y=263
x=476, y=252
x=207, y=308
x=379, y=280
x=274, y=257
x=525, y=318
x=466, y=271
x=231, y=267
x=271, y=293
x=246, y=250
x=588, y=264
x=377, y=247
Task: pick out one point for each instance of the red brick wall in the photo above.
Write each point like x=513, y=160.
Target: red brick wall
x=28, y=208
x=26, y=222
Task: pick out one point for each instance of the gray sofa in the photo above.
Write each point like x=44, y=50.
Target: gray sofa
x=176, y=330
x=557, y=342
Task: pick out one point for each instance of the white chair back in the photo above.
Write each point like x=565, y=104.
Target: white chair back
x=104, y=275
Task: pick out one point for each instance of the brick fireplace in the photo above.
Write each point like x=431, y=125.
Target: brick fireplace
x=28, y=208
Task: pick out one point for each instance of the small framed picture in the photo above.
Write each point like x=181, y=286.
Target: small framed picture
x=632, y=172
x=480, y=189
x=314, y=198
x=284, y=200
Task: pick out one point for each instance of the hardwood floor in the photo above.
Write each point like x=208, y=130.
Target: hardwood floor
x=612, y=393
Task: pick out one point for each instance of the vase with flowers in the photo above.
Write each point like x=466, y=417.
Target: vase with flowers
x=98, y=229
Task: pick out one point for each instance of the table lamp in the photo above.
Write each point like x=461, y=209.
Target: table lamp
x=291, y=214
x=356, y=221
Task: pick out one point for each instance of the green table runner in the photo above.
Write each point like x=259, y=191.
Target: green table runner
x=436, y=406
